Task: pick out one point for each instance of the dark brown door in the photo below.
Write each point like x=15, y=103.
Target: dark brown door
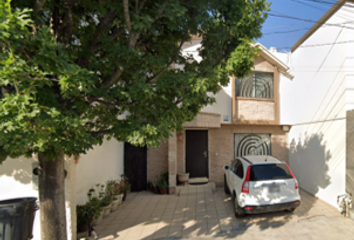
x=135, y=166
x=197, y=153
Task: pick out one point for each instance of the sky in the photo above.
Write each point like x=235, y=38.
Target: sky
x=283, y=32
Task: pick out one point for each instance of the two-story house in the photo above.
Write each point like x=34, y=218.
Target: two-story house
x=245, y=120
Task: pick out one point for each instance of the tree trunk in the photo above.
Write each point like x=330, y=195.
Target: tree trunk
x=52, y=197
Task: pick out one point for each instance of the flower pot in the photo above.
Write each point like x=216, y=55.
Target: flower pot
x=125, y=195
x=98, y=219
x=120, y=198
x=183, y=178
x=106, y=210
x=83, y=227
x=163, y=191
x=114, y=204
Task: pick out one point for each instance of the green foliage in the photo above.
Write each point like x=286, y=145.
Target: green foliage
x=124, y=185
x=163, y=182
x=84, y=214
x=94, y=203
x=75, y=72
x=106, y=200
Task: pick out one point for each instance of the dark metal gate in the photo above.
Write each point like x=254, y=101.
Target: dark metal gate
x=135, y=166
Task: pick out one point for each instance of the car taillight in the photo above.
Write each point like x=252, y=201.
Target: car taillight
x=292, y=174
x=246, y=183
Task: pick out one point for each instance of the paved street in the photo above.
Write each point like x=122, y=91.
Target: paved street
x=201, y=214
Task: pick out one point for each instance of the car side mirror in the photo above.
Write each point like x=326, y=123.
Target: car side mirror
x=226, y=167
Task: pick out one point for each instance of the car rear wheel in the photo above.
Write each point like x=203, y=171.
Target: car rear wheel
x=226, y=188
x=290, y=210
x=237, y=209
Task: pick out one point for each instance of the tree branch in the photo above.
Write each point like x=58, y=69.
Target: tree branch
x=69, y=23
x=116, y=32
x=100, y=133
x=38, y=6
x=172, y=60
x=142, y=5
x=133, y=37
x=93, y=46
x=108, y=104
x=127, y=15
x=104, y=23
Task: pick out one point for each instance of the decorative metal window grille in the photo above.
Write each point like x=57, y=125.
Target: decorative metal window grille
x=256, y=85
x=252, y=144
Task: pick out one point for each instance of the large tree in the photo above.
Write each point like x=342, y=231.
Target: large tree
x=69, y=70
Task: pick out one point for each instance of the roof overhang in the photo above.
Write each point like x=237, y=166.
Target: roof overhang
x=272, y=59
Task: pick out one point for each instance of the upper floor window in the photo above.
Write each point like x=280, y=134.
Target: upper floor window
x=256, y=85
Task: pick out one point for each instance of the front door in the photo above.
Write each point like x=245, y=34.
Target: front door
x=135, y=166
x=197, y=153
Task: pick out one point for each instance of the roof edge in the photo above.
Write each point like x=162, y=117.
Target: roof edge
x=270, y=57
x=320, y=22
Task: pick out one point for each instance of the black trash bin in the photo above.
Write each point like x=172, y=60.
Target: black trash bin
x=16, y=218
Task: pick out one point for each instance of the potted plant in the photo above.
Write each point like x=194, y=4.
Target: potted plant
x=125, y=186
x=163, y=183
x=119, y=189
x=94, y=204
x=155, y=187
x=151, y=186
x=183, y=178
x=85, y=216
x=112, y=190
x=104, y=198
x=163, y=186
x=106, y=205
x=83, y=219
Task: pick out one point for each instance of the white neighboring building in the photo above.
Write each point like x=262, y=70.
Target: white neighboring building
x=316, y=102
x=99, y=165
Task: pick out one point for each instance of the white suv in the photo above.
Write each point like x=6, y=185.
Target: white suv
x=261, y=184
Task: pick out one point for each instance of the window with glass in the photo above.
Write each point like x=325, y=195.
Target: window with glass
x=256, y=85
x=239, y=169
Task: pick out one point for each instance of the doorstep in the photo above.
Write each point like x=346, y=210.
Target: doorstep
x=198, y=180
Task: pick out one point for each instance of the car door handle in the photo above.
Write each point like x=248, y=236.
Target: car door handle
x=205, y=154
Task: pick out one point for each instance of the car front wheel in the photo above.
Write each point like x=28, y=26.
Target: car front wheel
x=226, y=188
x=237, y=209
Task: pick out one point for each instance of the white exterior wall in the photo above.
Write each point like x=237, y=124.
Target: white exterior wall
x=315, y=103
x=97, y=166
x=223, y=105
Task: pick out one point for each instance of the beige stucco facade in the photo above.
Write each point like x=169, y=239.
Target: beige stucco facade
x=220, y=150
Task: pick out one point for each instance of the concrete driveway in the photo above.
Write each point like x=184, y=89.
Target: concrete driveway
x=201, y=213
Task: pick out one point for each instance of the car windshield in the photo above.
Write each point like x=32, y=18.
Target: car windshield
x=265, y=172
